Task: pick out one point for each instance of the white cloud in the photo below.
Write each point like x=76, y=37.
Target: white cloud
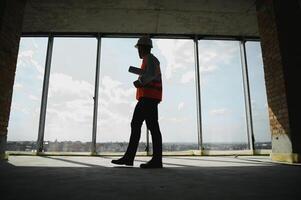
x=70, y=100
x=109, y=83
x=208, y=58
x=69, y=103
x=208, y=54
x=33, y=97
x=188, y=77
x=110, y=117
x=180, y=106
x=77, y=110
x=178, y=55
x=117, y=102
x=34, y=42
x=38, y=67
x=173, y=119
x=26, y=54
x=219, y=112
x=26, y=59
x=207, y=69
x=40, y=77
x=18, y=85
x=16, y=107
x=227, y=50
x=215, y=54
x=81, y=110
x=113, y=91
x=62, y=84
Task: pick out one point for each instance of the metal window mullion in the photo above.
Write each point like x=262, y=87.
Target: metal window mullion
x=40, y=140
x=198, y=93
x=95, y=98
x=147, y=142
x=247, y=96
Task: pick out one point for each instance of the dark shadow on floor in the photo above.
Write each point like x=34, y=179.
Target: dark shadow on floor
x=247, y=161
x=202, y=160
x=72, y=161
x=236, y=183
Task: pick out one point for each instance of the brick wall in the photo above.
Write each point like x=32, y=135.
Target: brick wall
x=11, y=17
x=280, y=44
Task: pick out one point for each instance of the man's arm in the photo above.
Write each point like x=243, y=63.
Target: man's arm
x=150, y=72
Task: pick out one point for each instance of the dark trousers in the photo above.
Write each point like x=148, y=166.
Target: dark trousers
x=146, y=109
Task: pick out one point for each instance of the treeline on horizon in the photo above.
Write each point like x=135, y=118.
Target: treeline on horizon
x=79, y=146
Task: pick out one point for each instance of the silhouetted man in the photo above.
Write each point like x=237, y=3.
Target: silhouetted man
x=149, y=95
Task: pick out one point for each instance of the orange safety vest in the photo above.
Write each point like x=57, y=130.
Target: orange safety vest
x=152, y=89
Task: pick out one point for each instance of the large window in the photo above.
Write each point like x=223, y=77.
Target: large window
x=25, y=109
x=259, y=103
x=177, y=111
x=117, y=95
x=69, y=113
x=222, y=96
x=70, y=98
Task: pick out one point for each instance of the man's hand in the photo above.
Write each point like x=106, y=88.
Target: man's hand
x=137, y=84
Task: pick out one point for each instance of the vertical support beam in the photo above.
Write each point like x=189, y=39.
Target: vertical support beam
x=278, y=26
x=198, y=93
x=11, y=20
x=40, y=141
x=147, y=142
x=247, y=96
x=95, y=98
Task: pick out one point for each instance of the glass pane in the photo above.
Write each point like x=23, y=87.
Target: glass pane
x=117, y=95
x=69, y=114
x=24, y=117
x=177, y=111
x=222, y=95
x=260, y=115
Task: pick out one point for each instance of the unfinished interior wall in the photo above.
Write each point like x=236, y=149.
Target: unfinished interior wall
x=214, y=17
x=11, y=18
x=280, y=40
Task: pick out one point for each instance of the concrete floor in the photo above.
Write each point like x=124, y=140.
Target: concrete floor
x=75, y=177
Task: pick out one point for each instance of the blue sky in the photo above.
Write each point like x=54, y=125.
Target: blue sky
x=71, y=89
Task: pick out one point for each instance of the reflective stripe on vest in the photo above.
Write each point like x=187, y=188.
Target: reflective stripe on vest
x=153, y=87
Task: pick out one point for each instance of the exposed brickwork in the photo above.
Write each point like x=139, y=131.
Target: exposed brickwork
x=273, y=69
x=10, y=31
x=279, y=66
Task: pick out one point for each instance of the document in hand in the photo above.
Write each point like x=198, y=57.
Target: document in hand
x=135, y=70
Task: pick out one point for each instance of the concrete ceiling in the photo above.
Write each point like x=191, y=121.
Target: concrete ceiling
x=207, y=17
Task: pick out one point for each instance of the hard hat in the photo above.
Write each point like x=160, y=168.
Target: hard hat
x=144, y=40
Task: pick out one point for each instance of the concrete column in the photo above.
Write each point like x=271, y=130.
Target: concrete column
x=11, y=20
x=279, y=29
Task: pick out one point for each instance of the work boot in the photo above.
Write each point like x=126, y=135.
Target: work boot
x=123, y=161
x=152, y=164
